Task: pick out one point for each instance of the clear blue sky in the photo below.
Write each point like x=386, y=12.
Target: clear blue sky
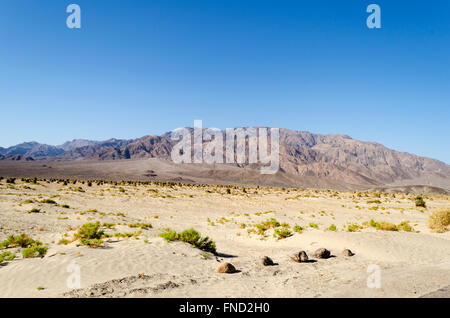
x=147, y=67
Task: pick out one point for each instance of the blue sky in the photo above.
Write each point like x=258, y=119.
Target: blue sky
x=147, y=67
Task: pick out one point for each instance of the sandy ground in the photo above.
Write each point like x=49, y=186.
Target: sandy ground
x=412, y=264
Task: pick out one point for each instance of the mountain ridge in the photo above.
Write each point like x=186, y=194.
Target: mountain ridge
x=303, y=154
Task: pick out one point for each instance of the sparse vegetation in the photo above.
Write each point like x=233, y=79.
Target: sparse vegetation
x=144, y=226
x=298, y=228
x=22, y=240
x=90, y=235
x=282, y=232
x=383, y=226
x=7, y=256
x=420, y=202
x=34, y=251
x=439, y=221
x=192, y=237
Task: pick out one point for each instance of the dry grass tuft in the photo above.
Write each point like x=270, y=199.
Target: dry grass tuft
x=439, y=221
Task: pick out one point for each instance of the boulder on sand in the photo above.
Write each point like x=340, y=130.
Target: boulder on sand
x=347, y=252
x=226, y=268
x=300, y=257
x=322, y=253
x=267, y=261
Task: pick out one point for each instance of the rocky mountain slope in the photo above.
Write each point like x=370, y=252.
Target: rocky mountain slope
x=337, y=158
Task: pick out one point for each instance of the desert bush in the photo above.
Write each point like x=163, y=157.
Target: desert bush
x=332, y=227
x=192, y=237
x=63, y=241
x=353, y=227
x=282, y=233
x=298, y=228
x=420, y=202
x=22, y=240
x=169, y=235
x=34, y=251
x=439, y=221
x=11, y=180
x=7, y=256
x=90, y=231
x=144, y=226
x=383, y=226
x=314, y=225
x=92, y=243
x=189, y=236
x=404, y=226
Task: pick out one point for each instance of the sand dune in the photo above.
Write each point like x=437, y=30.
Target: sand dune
x=412, y=264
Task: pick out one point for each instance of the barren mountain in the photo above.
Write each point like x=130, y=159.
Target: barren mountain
x=305, y=158
x=76, y=143
x=31, y=149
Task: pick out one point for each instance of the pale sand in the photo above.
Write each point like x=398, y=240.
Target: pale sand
x=412, y=264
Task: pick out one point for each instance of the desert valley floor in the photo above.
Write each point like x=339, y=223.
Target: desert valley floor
x=245, y=223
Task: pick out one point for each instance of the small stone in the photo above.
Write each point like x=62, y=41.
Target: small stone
x=347, y=252
x=322, y=253
x=267, y=261
x=300, y=257
x=226, y=268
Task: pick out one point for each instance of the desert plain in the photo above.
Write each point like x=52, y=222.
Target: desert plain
x=384, y=230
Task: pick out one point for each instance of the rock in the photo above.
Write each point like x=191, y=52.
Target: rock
x=300, y=257
x=322, y=253
x=226, y=268
x=267, y=261
x=347, y=252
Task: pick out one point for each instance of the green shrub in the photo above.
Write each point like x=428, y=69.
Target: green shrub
x=90, y=231
x=404, y=226
x=34, y=251
x=11, y=180
x=206, y=244
x=189, y=236
x=282, y=233
x=192, y=237
x=22, y=240
x=63, y=241
x=383, y=226
x=420, y=202
x=169, y=235
x=298, y=229
x=353, y=227
x=7, y=256
x=144, y=226
x=314, y=225
x=92, y=243
x=332, y=227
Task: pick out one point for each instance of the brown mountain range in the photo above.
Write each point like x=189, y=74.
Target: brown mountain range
x=305, y=159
